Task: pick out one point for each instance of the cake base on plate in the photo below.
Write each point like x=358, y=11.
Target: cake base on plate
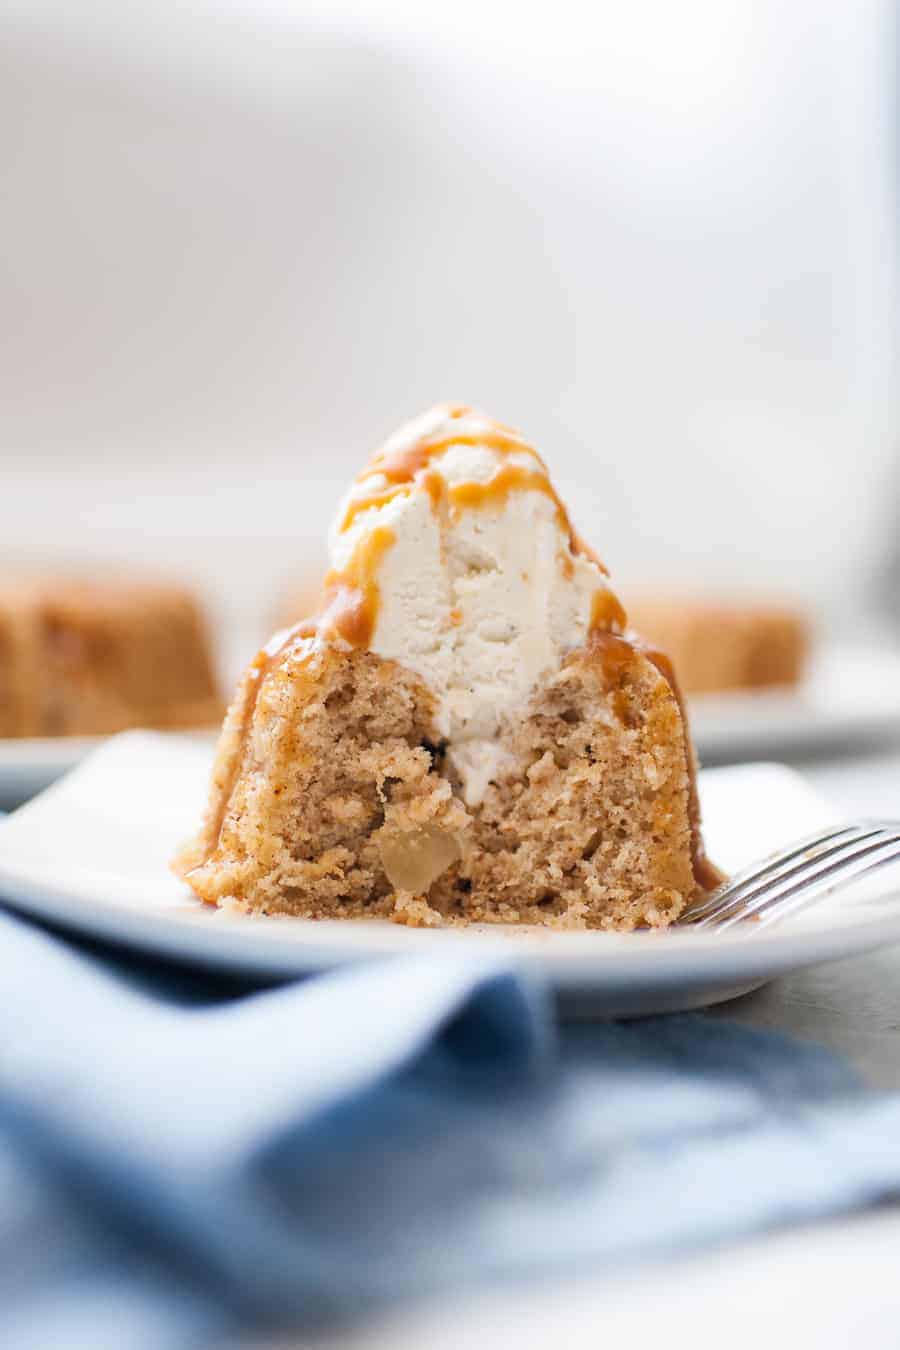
x=332, y=798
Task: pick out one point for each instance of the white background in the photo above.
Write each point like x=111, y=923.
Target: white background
x=241, y=242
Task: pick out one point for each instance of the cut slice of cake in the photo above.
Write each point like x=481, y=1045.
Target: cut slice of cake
x=466, y=732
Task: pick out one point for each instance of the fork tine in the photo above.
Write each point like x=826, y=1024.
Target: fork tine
x=739, y=900
x=829, y=886
x=778, y=899
x=757, y=871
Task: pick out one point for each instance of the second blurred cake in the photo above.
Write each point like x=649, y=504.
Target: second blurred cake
x=84, y=656
x=717, y=645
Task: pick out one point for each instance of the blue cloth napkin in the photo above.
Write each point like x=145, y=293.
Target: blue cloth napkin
x=183, y=1159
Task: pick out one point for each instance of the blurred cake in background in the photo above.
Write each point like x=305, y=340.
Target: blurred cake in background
x=717, y=645
x=83, y=656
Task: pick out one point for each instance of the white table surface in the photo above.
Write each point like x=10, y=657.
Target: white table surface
x=827, y=1286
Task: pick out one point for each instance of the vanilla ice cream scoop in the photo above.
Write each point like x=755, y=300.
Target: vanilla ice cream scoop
x=453, y=555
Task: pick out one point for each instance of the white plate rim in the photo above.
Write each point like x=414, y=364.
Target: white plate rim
x=739, y=958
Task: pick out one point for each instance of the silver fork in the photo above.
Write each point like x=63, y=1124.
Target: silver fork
x=814, y=867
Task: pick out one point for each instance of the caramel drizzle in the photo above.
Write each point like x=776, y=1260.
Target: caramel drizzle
x=408, y=466
x=509, y=478
x=607, y=612
x=616, y=653
x=350, y=604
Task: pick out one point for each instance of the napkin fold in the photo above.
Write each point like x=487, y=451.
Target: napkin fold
x=180, y=1159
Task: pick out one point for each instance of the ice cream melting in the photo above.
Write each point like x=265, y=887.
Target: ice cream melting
x=453, y=555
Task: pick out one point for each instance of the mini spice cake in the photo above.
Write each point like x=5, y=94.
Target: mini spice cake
x=466, y=732
x=89, y=657
x=716, y=645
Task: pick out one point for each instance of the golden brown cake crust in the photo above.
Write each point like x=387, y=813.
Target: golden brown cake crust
x=332, y=797
x=90, y=657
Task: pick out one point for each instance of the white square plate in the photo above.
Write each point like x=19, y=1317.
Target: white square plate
x=92, y=853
